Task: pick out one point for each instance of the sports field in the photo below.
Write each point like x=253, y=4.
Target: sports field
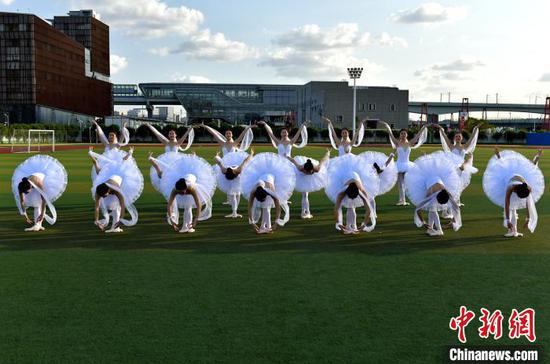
x=305, y=294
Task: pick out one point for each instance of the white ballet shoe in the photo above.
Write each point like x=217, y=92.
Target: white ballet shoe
x=402, y=203
x=447, y=215
x=432, y=232
x=234, y=216
x=115, y=230
x=306, y=215
x=226, y=203
x=513, y=234
x=35, y=227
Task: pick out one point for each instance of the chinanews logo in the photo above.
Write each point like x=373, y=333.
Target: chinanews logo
x=494, y=325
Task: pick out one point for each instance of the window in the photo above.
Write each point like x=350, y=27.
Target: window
x=339, y=119
x=361, y=107
x=372, y=107
x=22, y=27
x=1, y=27
x=393, y=107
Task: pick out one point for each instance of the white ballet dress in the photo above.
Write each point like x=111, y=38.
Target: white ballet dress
x=386, y=179
x=230, y=160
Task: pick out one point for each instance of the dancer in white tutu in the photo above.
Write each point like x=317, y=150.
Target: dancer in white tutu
x=311, y=176
x=115, y=189
x=456, y=145
x=112, y=142
x=513, y=182
x=38, y=182
x=284, y=144
x=172, y=143
x=433, y=185
x=344, y=144
x=267, y=182
x=242, y=143
x=188, y=183
x=385, y=169
x=351, y=185
x=403, y=148
x=228, y=172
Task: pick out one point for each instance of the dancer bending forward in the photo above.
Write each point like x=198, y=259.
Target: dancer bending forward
x=267, y=182
x=188, y=183
x=385, y=169
x=351, y=185
x=513, y=182
x=403, y=148
x=311, y=176
x=115, y=189
x=434, y=185
x=228, y=172
x=38, y=182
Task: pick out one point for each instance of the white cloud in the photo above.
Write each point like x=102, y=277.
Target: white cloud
x=430, y=12
x=310, y=52
x=162, y=51
x=450, y=70
x=6, y=2
x=206, y=45
x=545, y=77
x=146, y=18
x=391, y=41
x=178, y=77
x=312, y=37
x=118, y=63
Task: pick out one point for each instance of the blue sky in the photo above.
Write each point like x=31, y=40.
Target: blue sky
x=468, y=48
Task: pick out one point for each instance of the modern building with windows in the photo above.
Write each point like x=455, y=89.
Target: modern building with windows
x=280, y=104
x=51, y=76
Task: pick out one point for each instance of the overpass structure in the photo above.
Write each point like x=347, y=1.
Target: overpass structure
x=439, y=108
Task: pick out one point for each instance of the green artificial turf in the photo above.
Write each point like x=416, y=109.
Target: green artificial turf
x=305, y=294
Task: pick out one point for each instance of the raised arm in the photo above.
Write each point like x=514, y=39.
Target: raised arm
x=215, y=134
x=331, y=128
x=298, y=133
x=184, y=137
x=243, y=133
x=393, y=139
x=158, y=134
x=293, y=161
x=497, y=152
x=129, y=154
x=537, y=157
x=243, y=164
x=100, y=133
x=219, y=162
x=269, y=131
x=355, y=132
x=323, y=160
x=444, y=138
x=472, y=138
x=418, y=135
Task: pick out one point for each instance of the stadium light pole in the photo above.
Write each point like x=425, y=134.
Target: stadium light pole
x=354, y=73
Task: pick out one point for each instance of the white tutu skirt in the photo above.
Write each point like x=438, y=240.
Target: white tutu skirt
x=233, y=160
x=164, y=160
x=386, y=179
x=184, y=167
x=55, y=178
x=265, y=164
x=344, y=168
x=109, y=156
x=310, y=182
x=458, y=160
x=499, y=172
x=131, y=179
x=427, y=171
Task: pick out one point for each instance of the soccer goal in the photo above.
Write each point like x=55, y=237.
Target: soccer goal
x=32, y=140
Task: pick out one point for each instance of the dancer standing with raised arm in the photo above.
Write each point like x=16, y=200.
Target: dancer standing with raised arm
x=284, y=144
x=267, y=182
x=112, y=142
x=188, y=183
x=227, y=143
x=513, y=182
x=115, y=189
x=228, y=171
x=433, y=185
x=456, y=146
x=38, y=182
x=351, y=185
x=403, y=148
x=172, y=143
x=344, y=144
x=311, y=176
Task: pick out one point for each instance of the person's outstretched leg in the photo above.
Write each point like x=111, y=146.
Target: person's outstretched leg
x=306, y=214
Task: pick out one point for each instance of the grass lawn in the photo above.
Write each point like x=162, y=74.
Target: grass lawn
x=304, y=294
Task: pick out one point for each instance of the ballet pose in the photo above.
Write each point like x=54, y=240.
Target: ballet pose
x=456, y=145
x=351, y=185
x=112, y=142
x=433, y=185
x=38, y=182
x=228, y=171
x=284, y=144
x=172, y=143
x=385, y=169
x=403, y=148
x=188, y=183
x=267, y=182
x=115, y=189
x=311, y=176
x=227, y=143
x=344, y=144
x=513, y=182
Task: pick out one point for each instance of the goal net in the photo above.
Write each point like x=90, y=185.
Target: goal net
x=32, y=140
